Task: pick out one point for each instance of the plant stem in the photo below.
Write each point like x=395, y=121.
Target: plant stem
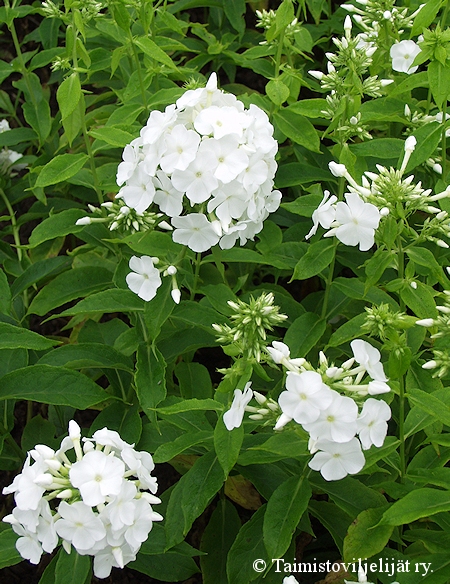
x=329, y=282
x=401, y=408
x=198, y=258
x=15, y=228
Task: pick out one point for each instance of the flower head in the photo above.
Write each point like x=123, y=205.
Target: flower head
x=403, y=55
x=144, y=280
x=234, y=416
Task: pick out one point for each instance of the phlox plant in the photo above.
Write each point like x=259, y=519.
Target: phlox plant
x=225, y=291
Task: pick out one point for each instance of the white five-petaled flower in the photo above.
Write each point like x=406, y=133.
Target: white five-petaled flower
x=337, y=422
x=79, y=525
x=325, y=213
x=234, y=416
x=369, y=358
x=355, y=222
x=305, y=397
x=195, y=231
x=97, y=476
x=335, y=460
x=403, y=55
x=145, y=279
x=372, y=423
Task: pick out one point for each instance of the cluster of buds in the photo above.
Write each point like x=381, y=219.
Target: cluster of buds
x=346, y=76
x=248, y=335
x=88, y=9
x=98, y=501
x=325, y=401
x=373, y=16
x=384, y=322
x=267, y=19
x=120, y=216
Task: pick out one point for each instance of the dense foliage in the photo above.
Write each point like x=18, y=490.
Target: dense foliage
x=225, y=247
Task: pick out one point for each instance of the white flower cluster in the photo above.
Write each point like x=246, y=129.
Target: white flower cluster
x=208, y=164
x=98, y=503
x=338, y=430
x=9, y=158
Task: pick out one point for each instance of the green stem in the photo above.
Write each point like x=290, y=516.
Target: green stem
x=139, y=72
x=15, y=227
x=198, y=258
x=444, y=140
x=329, y=282
x=401, y=408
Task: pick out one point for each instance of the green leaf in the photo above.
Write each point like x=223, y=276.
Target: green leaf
x=152, y=50
x=68, y=286
x=424, y=257
x=191, y=495
x=169, y=450
x=297, y=173
x=69, y=95
x=415, y=505
x=304, y=205
x=217, y=540
x=38, y=116
x=428, y=138
x=158, y=310
x=124, y=420
x=171, y=566
x=227, y=445
x=234, y=11
x=385, y=148
x=310, y=108
x=194, y=380
x=38, y=271
x=365, y=536
x=439, y=80
x=425, y=17
x=420, y=300
x=52, y=385
x=150, y=379
x=87, y=356
x=114, y=136
x=61, y=168
x=348, y=331
x=14, y=337
x=72, y=569
x=38, y=431
x=318, y=257
x=191, y=404
x=304, y=333
x=9, y=556
x=410, y=83
x=298, y=128
x=57, y=225
x=277, y=91
x=284, y=510
x=17, y=136
x=5, y=294
x=333, y=519
x=247, y=547
x=430, y=404
x=106, y=302
x=349, y=494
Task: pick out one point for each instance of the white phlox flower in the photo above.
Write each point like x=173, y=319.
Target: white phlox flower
x=234, y=416
x=369, y=358
x=325, y=213
x=144, y=280
x=372, y=423
x=355, y=222
x=97, y=505
x=335, y=460
x=336, y=422
x=195, y=231
x=306, y=396
x=403, y=55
